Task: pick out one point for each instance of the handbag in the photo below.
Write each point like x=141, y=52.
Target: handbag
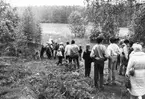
x=127, y=83
x=132, y=72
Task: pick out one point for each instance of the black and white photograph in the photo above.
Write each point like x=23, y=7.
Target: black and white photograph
x=72, y=49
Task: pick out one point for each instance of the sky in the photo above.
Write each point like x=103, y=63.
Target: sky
x=20, y=3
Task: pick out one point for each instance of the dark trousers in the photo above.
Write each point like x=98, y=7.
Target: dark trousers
x=98, y=74
x=87, y=68
x=75, y=59
x=59, y=60
x=68, y=58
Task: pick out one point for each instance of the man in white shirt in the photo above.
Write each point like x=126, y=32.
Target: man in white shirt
x=98, y=52
x=67, y=52
x=113, y=51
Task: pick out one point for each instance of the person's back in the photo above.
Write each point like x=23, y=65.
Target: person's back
x=74, y=53
x=99, y=54
x=137, y=64
x=86, y=56
x=98, y=51
x=67, y=49
x=74, y=49
x=114, y=49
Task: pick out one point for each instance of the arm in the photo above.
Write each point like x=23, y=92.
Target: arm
x=118, y=50
x=130, y=65
x=92, y=52
x=84, y=55
x=125, y=52
x=108, y=51
x=66, y=50
x=105, y=53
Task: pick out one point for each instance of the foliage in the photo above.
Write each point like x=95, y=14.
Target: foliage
x=31, y=27
x=16, y=33
x=77, y=24
x=109, y=14
x=52, y=14
x=104, y=17
x=138, y=25
x=8, y=23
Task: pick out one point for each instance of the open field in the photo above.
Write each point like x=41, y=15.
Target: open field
x=63, y=30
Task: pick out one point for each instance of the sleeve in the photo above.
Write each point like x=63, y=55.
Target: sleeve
x=125, y=52
x=92, y=52
x=108, y=51
x=118, y=50
x=105, y=52
x=66, y=48
x=84, y=55
x=130, y=65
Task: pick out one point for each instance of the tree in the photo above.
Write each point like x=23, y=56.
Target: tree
x=77, y=24
x=31, y=27
x=138, y=25
x=104, y=16
x=8, y=23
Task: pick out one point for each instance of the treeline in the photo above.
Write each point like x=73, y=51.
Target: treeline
x=53, y=14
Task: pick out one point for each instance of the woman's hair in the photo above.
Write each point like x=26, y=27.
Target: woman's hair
x=137, y=47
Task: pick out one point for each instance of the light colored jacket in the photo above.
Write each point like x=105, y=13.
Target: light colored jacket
x=67, y=50
x=113, y=50
x=74, y=49
x=137, y=61
x=98, y=51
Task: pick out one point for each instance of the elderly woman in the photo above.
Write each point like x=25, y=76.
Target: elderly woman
x=137, y=62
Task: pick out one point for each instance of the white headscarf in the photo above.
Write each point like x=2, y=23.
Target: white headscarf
x=137, y=47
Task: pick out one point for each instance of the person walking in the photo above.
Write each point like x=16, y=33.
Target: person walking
x=136, y=73
x=74, y=54
x=98, y=52
x=87, y=60
x=67, y=52
x=113, y=51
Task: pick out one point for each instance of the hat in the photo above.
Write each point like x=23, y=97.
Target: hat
x=137, y=47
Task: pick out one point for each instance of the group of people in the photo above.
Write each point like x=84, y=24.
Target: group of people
x=122, y=55
x=69, y=52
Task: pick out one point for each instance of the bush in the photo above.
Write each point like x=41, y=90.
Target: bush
x=77, y=24
x=138, y=25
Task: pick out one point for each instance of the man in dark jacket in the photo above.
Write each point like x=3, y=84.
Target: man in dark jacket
x=87, y=60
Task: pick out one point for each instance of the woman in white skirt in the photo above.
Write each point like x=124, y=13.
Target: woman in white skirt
x=137, y=62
